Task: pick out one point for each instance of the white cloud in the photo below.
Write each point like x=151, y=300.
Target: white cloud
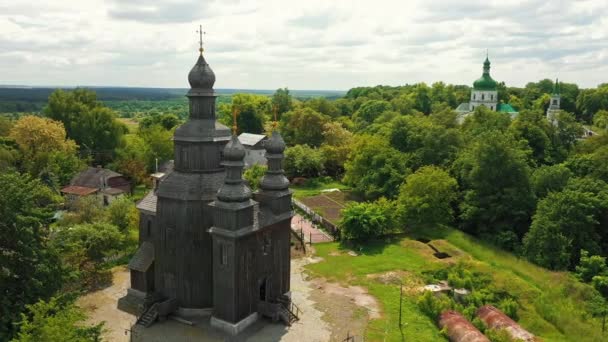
x=314, y=44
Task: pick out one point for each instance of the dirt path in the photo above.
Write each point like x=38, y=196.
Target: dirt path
x=101, y=306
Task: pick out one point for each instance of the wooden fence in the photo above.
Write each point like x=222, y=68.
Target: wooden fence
x=318, y=219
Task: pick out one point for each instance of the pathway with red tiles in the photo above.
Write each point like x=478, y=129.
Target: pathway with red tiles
x=311, y=232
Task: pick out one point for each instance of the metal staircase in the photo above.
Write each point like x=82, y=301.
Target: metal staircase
x=149, y=317
x=288, y=311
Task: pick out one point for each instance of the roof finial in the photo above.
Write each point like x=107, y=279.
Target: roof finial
x=234, y=126
x=200, y=40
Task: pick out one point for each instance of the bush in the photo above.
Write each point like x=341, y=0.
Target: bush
x=123, y=214
x=254, y=174
x=509, y=307
x=367, y=220
x=590, y=266
x=433, y=305
x=56, y=321
x=303, y=161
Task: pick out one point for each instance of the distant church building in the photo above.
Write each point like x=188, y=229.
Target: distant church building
x=208, y=245
x=554, y=103
x=484, y=93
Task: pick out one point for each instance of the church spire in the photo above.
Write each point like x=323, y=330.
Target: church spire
x=274, y=179
x=556, y=87
x=486, y=65
x=234, y=188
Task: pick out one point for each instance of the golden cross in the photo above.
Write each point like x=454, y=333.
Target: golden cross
x=200, y=41
x=234, y=114
x=274, y=110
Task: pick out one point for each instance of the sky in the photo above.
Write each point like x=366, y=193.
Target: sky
x=308, y=44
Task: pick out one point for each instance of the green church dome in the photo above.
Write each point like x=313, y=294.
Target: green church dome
x=485, y=82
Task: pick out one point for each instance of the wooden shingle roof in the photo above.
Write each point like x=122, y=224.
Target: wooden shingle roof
x=144, y=257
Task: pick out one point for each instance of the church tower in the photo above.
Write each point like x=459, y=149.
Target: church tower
x=484, y=91
x=555, y=102
x=210, y=247
x=183, y=245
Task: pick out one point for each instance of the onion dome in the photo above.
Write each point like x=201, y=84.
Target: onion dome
x=274, y=179
x=234, y=150
x=201, y=76
x=234, y=188
x=485, y=82
x=275, y=144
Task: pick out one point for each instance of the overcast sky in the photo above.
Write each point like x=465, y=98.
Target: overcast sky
x=308, y=44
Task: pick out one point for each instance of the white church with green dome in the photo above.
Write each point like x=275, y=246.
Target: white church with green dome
x=484, y=93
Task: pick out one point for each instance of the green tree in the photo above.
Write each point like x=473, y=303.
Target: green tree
x=254, y=174
x=337, y=146
x=132, y=158
x=56, y=321
x=123, y=214
x=95, y=240
x=590, y=266
x=369, y=111
x=252, y=112
x=426, y=198
x=534, y=129
x=366, y=220
x=5, y=126
x=159, y=145
x=425, y=142
x=484, y=120
x=303, y=126
x=165, y=120
x=282, y=101
x=374, y=169
x=565, y=222
x=30, y=269
x=93, y=126
x=45, y=147
x=303, y=161
x=323, y=106
x=600, y=119
x=497, y=195
x=547, y=179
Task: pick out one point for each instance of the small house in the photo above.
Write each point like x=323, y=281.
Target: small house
x=254, y=148
x=105, y=184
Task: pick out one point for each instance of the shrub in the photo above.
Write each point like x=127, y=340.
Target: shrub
x=433, y=305
x=367, y=219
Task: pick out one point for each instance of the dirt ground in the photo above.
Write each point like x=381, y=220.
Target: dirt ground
x=330, y=312
x=101, y=307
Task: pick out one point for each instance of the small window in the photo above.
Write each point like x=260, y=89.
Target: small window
x=474, y=96
x=555, y=102
x=492, y=97
x=483, y=96
x=223, y=254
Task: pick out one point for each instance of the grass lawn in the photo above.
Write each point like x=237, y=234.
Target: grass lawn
x=131, y=124
x=314, y=187
x=552, y=305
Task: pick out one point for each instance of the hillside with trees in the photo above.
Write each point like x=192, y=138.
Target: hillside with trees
x=521, y=185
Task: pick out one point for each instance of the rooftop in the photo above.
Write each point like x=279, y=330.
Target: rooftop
x=250, y=139
x=78, y=190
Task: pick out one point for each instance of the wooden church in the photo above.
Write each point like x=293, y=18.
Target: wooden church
x=208, y=244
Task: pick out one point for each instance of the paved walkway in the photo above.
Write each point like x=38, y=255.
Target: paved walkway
x=311, y=232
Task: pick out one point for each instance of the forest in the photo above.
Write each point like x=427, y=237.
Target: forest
x=523, y=184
